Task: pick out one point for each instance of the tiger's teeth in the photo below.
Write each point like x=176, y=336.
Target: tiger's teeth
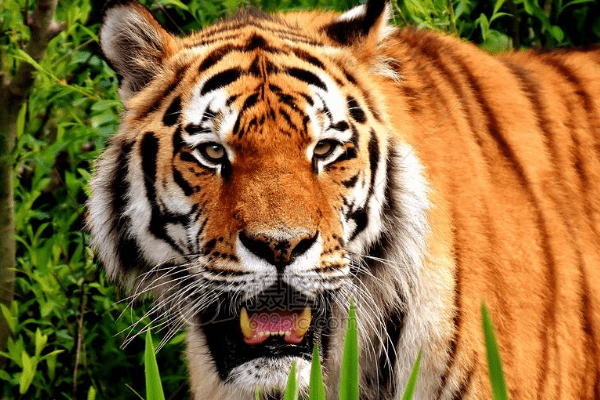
x=247, y=330
x=302, y=322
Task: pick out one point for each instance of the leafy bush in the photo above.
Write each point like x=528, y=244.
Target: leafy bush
x=68, y=323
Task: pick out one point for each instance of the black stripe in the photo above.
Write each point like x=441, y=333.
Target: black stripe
x=287, y=99
x=340, y=126
x=373, y=161
x=207, y=115
x=570, y=76
x=194, y=129
x=586, y=181
x=591, y=369
x=172, y=114
x=388, y=358
x=221, y=34
x=453, y=346
x=349, y=154
x=179, y=75
x=149, y=150
x=309, y=58
x=231, y=99
x=183, y=184
x=308, y=99
x=356, y=112
x=220, y=80
x=493, y=128
x=214, y=57
x=288, y=119
x=465, y=385
x=128, y=250
x=249, y=102
x=361, y=219
x=351, y=181
x=257, y=42
x=307, y=77
x=254, y=69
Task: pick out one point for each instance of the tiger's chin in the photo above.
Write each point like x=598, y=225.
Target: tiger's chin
x=270, y=375
x=256, y=342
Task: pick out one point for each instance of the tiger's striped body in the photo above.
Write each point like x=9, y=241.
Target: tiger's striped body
x=332, y=157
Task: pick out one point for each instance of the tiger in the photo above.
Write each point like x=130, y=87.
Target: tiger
x=271, y=168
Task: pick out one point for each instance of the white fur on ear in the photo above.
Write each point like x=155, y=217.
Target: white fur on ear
x=361, y=21
x=135, y=45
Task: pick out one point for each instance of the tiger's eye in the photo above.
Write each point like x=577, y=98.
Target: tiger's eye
x=324, y=148
x=213, y=152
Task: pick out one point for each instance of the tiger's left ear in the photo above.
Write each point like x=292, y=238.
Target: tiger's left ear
x=134, y=44
x=369, y=20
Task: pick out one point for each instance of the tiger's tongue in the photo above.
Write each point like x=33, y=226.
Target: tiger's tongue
x=258, y=327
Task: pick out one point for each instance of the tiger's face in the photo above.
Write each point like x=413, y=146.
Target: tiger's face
x=247, y=177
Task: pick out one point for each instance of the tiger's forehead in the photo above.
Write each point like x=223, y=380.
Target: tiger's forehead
x=255, y=84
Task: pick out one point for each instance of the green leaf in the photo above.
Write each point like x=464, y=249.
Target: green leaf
x=496, y=42
x=412, y=380
x=175, y=3
x=51, y=363
x=349, y=375
x=497, y=6
x=484, y=25
x=557, y=33
x=91, y=393
x=498, y=15
x=529, y=7
x=11, y=320
x=154, y=390
x=316, y=388
x=40, y=342
x=291, y=388
x=28, y=373
x=257, y=393
x=571, y=3
x=493, y=355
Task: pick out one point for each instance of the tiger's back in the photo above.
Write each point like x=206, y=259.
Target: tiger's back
x=326, y=157
x=511, y=145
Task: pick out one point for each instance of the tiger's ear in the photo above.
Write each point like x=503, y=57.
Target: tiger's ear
x=361, y=22
x=134, y=43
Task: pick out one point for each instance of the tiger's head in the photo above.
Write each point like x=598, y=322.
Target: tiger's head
x=255, y=185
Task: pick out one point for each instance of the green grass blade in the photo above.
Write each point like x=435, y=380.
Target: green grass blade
x=291, y=389
x=349, y=377
x=257, y=393
x=412, y=380
x=316, y=388
x=154, y=390
x=495, y=365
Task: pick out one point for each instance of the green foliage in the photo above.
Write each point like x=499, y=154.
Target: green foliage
x=316, y=387
x=68, y=323
x=501, y=25
x=291, y=388
x=411, y=385
x=350, y=369
x=499, y=391
x=154, y=390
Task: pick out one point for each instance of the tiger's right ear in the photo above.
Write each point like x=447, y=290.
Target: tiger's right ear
x=353, y=27
x=135, y=44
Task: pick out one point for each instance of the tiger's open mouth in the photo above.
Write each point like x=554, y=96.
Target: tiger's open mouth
x=278, y=323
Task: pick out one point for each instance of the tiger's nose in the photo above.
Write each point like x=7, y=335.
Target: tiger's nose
x=279, y=253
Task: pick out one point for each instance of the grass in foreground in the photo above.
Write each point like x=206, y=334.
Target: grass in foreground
x=349, y=380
